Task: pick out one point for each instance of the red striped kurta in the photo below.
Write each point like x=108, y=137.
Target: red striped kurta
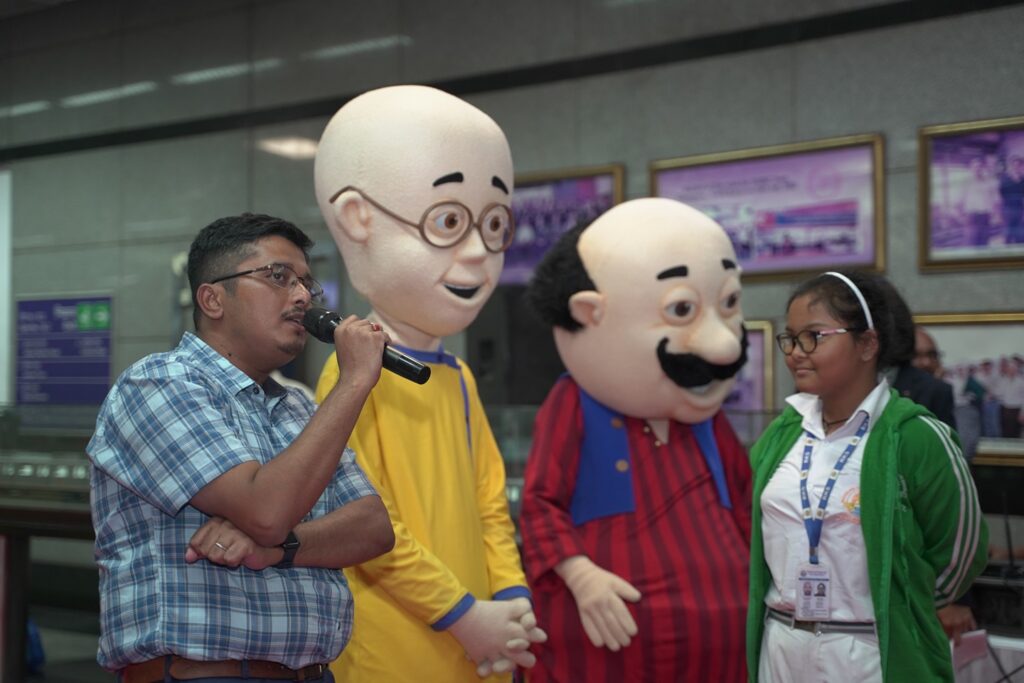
x=685, y=553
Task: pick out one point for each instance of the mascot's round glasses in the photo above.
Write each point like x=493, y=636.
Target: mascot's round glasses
x=283, y=276
x=808, y=339
x=447, y=223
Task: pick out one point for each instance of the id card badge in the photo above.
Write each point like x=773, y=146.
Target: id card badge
x=812, y=593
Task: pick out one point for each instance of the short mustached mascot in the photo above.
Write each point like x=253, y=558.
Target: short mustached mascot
x=415, y=185
x=636, y=508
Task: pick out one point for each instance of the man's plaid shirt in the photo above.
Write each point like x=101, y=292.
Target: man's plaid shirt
x=173, y=423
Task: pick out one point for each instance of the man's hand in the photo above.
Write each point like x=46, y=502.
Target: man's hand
x=221, y=542
x=956, y=620
x=496, y=634
x=599, y=596
x=360, y=347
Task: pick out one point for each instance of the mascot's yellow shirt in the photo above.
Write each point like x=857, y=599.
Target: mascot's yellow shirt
x=429, y=451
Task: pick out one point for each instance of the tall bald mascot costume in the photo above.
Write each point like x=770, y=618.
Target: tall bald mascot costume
x=636, y=510
x=415, y=186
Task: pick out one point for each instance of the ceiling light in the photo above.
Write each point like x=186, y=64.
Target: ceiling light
x=289, y=147
x=24, y=108
x=615, y=4
x=368, y=45
x=99, y=96
x=216, y=73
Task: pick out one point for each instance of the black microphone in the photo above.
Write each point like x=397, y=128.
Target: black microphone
x=320, y=323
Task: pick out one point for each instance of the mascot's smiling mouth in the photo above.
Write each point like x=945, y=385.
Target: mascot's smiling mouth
x=695, y=374
x=462, y=292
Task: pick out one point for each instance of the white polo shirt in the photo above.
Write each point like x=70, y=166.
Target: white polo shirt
x=841, y=547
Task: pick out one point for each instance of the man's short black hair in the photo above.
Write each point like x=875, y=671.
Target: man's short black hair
x=223, y=244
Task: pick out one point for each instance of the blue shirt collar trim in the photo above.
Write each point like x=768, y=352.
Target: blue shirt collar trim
x=439, y=357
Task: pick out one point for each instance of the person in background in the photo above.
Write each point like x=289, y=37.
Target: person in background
x=926, y=353
x=979, y=202
x=1011, y=194
x=1012, y=393
x=860, y=489
x=223, y=503
x=907, y=377
x=991, y=406
x=966, y=418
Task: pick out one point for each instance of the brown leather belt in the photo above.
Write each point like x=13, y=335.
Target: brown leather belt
x=183, y=669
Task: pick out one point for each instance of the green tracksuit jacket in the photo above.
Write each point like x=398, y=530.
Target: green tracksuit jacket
x=925, y=536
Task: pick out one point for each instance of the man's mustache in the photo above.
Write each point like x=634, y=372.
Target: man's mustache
x=689, y=370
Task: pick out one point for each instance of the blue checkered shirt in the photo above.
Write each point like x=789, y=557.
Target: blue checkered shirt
x=172, y=423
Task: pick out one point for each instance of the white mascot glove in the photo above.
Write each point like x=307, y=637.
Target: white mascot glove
x=496, y=634
x=599, y=596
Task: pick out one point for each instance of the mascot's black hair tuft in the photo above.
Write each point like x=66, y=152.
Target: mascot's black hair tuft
x=558, y=276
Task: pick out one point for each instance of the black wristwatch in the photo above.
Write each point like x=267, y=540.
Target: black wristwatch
x=291, y=546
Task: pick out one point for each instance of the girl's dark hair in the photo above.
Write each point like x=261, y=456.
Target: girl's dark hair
x=843, y=305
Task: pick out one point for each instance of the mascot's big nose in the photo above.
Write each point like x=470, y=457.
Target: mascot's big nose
x=713, y=341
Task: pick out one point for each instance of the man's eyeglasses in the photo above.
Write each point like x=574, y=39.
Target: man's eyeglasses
x=447, y=223
x=807, y=340
x=283, y=276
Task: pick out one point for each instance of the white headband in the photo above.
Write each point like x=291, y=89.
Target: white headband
x=860, y=297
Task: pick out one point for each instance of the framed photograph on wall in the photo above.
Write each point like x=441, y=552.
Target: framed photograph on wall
x=971, y=195
x=789, y=209
x=547, y=205
x=982, y=356
x=751, y=404
x=754, y=389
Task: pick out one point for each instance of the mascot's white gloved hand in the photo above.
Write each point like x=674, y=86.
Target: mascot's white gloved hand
x=534, y=633
x=599, y=596
x=496, y=634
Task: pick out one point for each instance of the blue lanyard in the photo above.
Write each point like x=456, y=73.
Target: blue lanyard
x=813, y=523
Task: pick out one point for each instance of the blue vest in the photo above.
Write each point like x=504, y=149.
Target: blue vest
x=604, y=482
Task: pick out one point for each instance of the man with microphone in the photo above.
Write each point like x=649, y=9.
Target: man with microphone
x=224, y=503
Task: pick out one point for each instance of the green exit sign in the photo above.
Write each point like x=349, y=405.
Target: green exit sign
x=94, y=315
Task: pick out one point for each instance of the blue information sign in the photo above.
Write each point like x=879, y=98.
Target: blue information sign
x=63, y=355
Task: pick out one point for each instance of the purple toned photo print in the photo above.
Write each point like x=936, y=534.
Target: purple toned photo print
x=547, y=206
x=787, y=209
x=972, y=205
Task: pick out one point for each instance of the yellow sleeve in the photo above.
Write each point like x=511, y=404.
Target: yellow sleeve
x=504, y=567
x=410, y=574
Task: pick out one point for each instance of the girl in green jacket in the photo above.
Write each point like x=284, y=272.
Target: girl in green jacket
x=865, y=518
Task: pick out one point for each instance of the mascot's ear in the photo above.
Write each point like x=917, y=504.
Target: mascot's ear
x=587, y=307
x=350, y=217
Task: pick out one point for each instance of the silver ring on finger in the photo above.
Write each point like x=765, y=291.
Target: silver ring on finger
x=220, y=545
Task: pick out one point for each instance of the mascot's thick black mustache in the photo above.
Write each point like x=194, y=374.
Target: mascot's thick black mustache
x=689, y=370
